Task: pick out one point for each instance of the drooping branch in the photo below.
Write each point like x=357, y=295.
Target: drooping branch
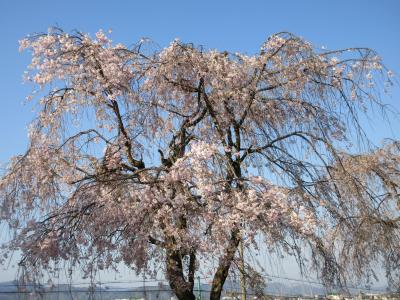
x=249, y=146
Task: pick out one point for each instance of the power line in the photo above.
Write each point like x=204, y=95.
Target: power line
x=105, y=283
x=266, y=275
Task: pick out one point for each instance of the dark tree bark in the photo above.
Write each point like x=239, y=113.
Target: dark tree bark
x=223, y=269
x=182, y=289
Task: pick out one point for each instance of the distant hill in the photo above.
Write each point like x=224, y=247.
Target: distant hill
x=9, y=291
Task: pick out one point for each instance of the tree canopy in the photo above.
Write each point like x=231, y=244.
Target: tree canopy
x=168, y=159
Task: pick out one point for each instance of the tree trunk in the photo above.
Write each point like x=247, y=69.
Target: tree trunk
x=224, y=265
x=182, y=289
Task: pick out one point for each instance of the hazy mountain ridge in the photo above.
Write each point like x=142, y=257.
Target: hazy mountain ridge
x=10, y=291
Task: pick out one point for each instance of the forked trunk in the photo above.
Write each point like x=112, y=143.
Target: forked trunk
x=182, y=289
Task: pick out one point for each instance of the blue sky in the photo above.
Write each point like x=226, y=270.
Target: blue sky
x=225, y=25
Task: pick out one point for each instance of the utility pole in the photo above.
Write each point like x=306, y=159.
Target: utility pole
x=199, y=287
x=242, y=271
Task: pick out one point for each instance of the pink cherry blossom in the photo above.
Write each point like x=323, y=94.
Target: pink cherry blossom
x=203, y=150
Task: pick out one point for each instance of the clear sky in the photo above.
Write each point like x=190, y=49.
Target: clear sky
x=225, y=25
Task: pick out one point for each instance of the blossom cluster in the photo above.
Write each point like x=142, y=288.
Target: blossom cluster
x=200, y=147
